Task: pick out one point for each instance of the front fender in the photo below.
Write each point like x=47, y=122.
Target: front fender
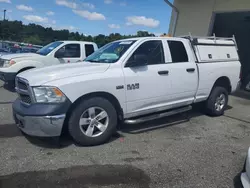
x=25, y=64
x=108, y=82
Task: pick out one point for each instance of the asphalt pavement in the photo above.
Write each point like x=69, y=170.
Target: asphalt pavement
x=186, y=150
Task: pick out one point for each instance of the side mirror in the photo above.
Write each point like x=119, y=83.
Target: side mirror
x=138, y=60
x=59, y=54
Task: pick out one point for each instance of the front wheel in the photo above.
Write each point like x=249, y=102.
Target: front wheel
x=93, y=121
x=217, y=101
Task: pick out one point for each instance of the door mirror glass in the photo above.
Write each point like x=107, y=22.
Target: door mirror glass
x=137, y=60
x=60, y=53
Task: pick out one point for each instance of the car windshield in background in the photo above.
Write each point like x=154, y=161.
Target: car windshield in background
x=111, y=52
x=47, y=49
x=29, y=50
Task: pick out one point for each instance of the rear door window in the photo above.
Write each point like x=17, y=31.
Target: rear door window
x=178, y=51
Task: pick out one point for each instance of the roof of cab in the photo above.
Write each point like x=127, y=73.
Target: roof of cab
x=79, y=42
x=152, y=38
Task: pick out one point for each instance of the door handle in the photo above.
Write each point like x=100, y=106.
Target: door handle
x=190, y=70
x=163, y=72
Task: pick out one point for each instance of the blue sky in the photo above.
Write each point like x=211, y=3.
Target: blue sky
x=92, y=16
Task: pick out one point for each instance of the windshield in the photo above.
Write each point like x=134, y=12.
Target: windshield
x=111, y=52
x=47, y=49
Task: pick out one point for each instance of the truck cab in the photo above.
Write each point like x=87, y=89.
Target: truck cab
x=55, y=53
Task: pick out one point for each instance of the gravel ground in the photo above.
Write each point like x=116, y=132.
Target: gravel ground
x=186, y=150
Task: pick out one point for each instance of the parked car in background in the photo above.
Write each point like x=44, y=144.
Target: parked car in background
x=14, y=50
x=54, y=53
x=28, y=50
x=245, y=176
x=3, y=52
x=133, y=81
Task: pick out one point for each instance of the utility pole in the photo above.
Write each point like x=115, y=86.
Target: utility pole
x=4, y=14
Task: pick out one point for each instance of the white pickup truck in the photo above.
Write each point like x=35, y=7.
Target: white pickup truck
x=132, y=81
x=54, y=53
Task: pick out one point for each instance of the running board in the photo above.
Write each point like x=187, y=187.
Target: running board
x=158, y=116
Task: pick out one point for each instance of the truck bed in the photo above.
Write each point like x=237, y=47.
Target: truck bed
x=215, y=57
x=210, y=72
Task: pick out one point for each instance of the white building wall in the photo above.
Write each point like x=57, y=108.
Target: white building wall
x=195, y=15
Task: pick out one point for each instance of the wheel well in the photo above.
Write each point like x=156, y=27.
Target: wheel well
x=24, y=69
x=111, y=98
x=224, y=82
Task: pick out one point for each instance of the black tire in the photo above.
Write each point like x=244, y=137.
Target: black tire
x=74, y=128
x=210, y=103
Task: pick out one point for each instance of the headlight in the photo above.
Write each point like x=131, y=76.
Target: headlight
x=8, y=63
x=48, y=95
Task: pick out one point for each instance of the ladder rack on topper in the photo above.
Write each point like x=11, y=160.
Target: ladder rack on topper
x=193, y=39
x=213, y=49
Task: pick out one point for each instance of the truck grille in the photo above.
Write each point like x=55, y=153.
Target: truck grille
x=25, y=98
x=22, y=88
x=1, y=62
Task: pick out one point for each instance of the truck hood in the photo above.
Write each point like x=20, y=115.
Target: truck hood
x=41, y=76
x=19, y=55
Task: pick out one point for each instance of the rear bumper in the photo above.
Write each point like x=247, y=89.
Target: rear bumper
x=7, y=76
x=236, y=87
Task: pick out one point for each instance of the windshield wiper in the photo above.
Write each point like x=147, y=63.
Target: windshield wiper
x=40, y=53
x=93, y=61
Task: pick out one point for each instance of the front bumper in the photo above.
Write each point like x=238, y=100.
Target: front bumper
x=245, y=176
x=42, y=120
x=41, y=126
x=7, y=76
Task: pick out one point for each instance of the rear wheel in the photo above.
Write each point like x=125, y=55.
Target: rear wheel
x=93, y=121
x=217, y=101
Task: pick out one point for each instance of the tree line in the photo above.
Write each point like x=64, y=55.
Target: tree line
x=39, y=35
